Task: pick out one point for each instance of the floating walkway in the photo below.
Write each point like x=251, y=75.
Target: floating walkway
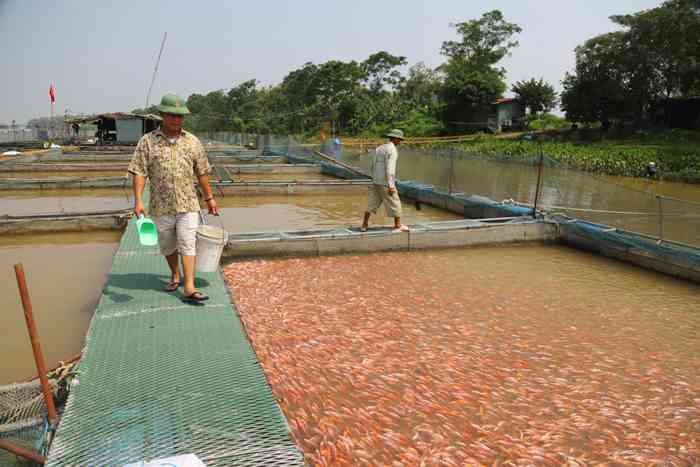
x=56, y=183
x=62, y=167
x=273, y=168
x=160, y=378
x=65, y=222
x=446, y=234
x=55, y=156
x=289, y=187
x=254, y=159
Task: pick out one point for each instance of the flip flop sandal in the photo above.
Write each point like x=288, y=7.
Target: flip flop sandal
x=195, y=297
x=172, y=286
x=363, y=229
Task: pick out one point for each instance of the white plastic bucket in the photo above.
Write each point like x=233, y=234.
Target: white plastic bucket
x=211, y=241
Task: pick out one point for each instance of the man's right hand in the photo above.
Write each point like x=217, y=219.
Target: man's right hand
x=139, y=209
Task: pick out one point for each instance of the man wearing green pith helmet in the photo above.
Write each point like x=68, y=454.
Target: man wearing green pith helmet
x=171, y=158
x=383, y=188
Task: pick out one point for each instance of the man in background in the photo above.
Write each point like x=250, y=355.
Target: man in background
x=383, y=188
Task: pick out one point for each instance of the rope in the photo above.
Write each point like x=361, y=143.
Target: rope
x=627, y=213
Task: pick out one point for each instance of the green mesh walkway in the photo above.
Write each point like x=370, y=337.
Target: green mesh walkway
x=160, y=377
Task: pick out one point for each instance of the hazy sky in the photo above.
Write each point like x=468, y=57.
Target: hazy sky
x=101, y=55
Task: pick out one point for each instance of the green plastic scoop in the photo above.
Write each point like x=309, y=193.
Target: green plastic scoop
x=148, y=234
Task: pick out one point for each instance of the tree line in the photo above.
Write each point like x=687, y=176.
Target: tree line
x=627, y=75
x=618, y=76
x=380, y=92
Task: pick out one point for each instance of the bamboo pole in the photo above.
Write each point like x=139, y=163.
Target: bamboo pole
x=343, y=165
x=36, y=346
x=539, y=181
x=661, y=219
x=20, y=451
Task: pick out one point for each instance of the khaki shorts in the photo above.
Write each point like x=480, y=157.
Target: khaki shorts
x=178, y=232
x=379, y=194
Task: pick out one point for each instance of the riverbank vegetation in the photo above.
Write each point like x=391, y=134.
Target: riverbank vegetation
x=675, y=152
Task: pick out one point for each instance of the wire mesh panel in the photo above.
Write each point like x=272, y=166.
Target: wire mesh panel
x=22, y=405
x=628, y=204
x=679, y=221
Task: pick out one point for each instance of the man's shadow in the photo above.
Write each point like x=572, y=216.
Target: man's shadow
x=117, y=283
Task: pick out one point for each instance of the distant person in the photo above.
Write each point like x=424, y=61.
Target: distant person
x=336, y=149
x=383, y=187
x=651, y=170
x=171, y=158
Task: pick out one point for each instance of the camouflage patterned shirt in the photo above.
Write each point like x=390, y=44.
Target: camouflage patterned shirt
x=171, y=169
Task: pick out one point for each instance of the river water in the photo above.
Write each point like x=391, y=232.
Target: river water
x=530, y=354
x=63, y=290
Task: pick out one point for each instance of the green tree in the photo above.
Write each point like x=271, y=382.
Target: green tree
x=536, y=95
x=620, y=75
x=597, y=90
x=473, y=81
x=324, y=92
x=209, y=112
x=668, y=39
x=421, y=88
x=380, y=71
x=152, y=109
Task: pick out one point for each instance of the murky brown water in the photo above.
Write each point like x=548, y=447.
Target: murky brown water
x=631, y=202
x=62, y=174
x=63, y=295
x=28, y=202
x=274, y=213
x=533, y=355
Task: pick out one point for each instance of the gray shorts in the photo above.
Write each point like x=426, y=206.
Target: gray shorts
x=178, y=232
x=378, y=195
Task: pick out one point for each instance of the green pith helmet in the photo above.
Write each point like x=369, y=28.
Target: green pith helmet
x=173, y=104
x=398, y=134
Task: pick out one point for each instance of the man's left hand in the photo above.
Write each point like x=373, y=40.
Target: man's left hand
x=212, y=206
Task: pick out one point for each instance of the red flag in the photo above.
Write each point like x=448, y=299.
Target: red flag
x=52, y=93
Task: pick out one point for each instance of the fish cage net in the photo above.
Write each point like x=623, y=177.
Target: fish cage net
x=631, y=204
x=227, y=138
x=23, y=417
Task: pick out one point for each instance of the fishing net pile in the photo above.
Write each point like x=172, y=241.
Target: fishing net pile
x=23, y=412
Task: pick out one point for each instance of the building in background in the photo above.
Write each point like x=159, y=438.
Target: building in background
x=506, y=114
x=117, y=127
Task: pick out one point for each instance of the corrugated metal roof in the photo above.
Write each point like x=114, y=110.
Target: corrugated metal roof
x=114, y=116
